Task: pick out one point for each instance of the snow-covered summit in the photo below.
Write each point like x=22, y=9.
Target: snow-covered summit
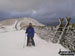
x=18, y=23
x=25, y=21
x=21, y=20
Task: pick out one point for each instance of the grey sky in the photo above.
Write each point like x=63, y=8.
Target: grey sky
x=40, y=9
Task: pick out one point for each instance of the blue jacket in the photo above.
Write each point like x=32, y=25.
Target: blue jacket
x=30, y=32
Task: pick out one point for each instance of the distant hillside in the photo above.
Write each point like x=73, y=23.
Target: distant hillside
x=19, y=22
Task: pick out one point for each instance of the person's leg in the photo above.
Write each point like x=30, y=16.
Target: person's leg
x=28, y=38
x=33, y=43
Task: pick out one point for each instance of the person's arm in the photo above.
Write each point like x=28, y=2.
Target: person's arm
x=26, y=30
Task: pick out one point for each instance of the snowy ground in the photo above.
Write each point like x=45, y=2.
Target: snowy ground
x=11, y=44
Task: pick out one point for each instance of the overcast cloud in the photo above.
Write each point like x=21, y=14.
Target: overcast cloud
x=39, y=9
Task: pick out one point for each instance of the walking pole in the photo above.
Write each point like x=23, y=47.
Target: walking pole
x=24, y=41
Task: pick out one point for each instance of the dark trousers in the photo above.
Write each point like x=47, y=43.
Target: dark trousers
x=32, y=41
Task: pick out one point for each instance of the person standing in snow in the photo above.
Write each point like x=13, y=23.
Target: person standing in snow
x=30, y=34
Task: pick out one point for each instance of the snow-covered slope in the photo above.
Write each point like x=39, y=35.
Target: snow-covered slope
x=11, y=44
x=21, y=24
x=6, y=28
x=7, y=22
x=18, y=23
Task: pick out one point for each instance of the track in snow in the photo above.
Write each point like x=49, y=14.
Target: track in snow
x=11, y=44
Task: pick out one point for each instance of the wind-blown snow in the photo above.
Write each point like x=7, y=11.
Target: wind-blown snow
x=11, y=44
